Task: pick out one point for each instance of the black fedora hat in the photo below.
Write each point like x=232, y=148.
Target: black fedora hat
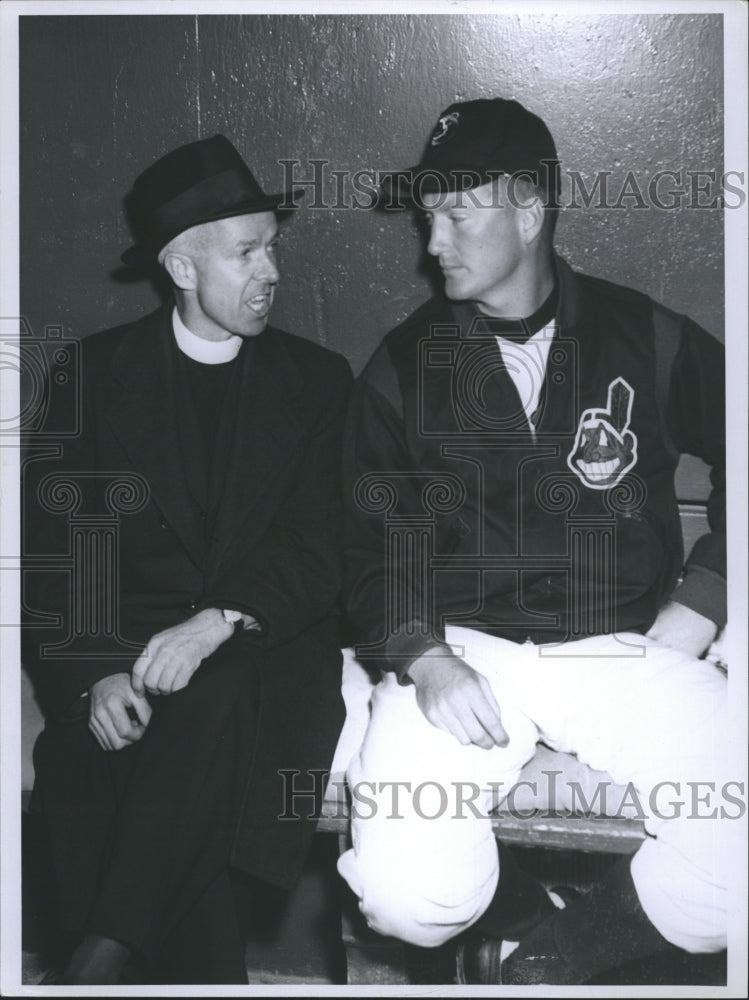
x=200, y=182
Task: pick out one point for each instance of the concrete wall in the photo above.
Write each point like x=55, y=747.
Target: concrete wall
x=101, y=97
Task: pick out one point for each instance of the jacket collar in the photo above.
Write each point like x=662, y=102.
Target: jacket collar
x=568, y=306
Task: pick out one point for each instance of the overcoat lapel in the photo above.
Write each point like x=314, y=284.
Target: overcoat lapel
x=265, y=432
x=265, y=436
x=144, y=418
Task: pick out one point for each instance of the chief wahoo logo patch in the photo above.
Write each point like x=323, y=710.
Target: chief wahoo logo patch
x=605, y=449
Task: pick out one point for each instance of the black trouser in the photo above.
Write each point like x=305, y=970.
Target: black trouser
x=141, y=836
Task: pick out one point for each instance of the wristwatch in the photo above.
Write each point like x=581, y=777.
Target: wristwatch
x=233, y=618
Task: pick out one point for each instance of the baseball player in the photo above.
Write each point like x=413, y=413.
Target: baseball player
x=528, y=421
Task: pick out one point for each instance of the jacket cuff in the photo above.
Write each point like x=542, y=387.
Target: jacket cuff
x=258, y=629
x=399, y=651
x=704, y=591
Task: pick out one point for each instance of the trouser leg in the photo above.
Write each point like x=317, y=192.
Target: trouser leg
x=424, y=860
x=207, y=945
x=175, y=814
x=655, y=719
x=141, y=834
x=624, y=705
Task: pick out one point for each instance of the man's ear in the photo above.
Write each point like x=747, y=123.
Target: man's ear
x=531, y=215
x=181, y=270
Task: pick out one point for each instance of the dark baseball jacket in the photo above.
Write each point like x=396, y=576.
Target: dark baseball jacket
x=459, y=511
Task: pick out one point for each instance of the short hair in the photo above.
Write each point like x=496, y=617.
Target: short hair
x=191, y=241
x=529, y=190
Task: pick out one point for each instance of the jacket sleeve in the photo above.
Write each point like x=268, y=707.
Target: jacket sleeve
x=696, y=421
x=291, y=578
x=59, y=486
x=384, y=602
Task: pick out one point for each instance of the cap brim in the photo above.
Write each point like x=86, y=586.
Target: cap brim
x=407, y=185
x=144, y=254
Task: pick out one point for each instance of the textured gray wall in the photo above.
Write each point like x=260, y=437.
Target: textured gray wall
x=101, y=97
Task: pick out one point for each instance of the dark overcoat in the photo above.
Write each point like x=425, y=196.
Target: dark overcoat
x=271, y=547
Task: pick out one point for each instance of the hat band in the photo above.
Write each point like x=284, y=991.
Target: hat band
x=209, y=196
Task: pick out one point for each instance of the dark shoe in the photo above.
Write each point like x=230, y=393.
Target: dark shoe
x=52, y=977
x=97, y=961
x=477, y=959
x=538, y=962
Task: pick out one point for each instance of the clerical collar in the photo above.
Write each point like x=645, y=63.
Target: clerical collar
x=523, y=329
x=208, y=352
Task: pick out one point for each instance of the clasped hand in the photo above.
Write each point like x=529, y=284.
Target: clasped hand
x=119, y=711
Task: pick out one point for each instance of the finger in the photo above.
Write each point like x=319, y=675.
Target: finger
x=488, y=739
x=183, y=677
x=490, y=715
x=472, y=726
x=98, y=733
x=468, y=704
x=449, y=722
x=123, y=724
x=104, y=719
x=152, y=675
x=141, y=708
x=167, y=673
x=494, y=730
x=107, y=731
x=139, y=670
x=139, y=733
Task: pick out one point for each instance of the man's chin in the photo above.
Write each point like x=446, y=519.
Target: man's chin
x=253, y=329
x=456, y=292
x=456, y=287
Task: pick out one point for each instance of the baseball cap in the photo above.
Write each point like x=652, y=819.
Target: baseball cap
x=473, y=142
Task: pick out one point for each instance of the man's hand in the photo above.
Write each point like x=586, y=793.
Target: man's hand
x=109, y=721
x=172, y=656
x=458, y=699
x=681, y=628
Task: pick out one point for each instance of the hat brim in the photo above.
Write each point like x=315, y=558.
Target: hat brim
x=143, y=255
x=408, y=185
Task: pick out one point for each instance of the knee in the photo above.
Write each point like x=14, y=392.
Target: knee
x=423, y=911
x=395, y=911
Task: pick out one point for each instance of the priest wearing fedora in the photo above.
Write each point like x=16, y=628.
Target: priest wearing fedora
x=161, y=772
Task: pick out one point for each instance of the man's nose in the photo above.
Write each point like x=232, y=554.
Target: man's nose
x=437, y=237
x=268, y=269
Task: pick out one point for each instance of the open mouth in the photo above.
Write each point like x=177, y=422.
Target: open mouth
x=260, y=304
x=598, y=471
